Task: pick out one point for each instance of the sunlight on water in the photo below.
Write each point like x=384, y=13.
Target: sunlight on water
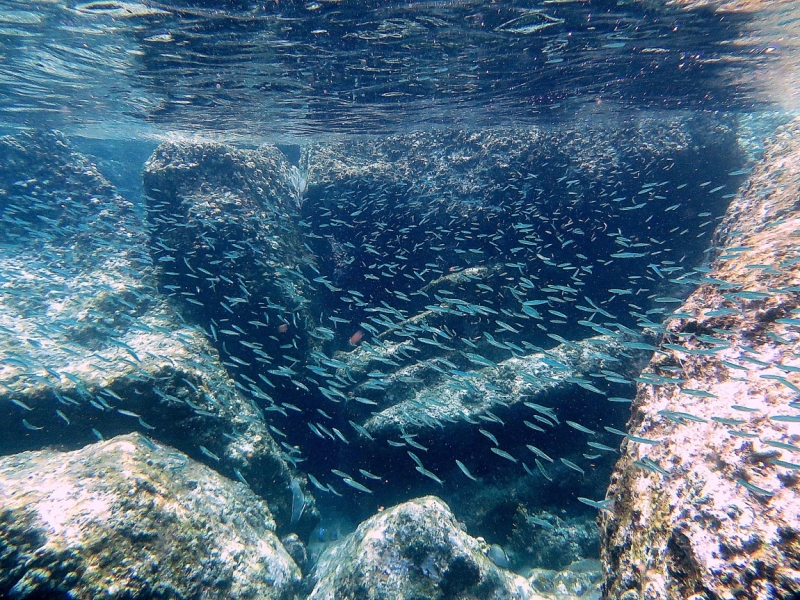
x=322, y=68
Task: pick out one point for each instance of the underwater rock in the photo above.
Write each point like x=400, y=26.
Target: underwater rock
x=89, y=348
x=438, y=277
x=706, y=494
x=363, y=301
x=579, y=581
x=131, y=518
x=463, y=171
x=412, y=550
x=550, y=542
x=539, y=377
x=296, y=549
x=227, y=237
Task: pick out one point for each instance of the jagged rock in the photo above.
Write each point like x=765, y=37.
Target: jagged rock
x=89, y=347
x=226, y=232
x=716, y=513
x=287, y=289
x=130, y=518
x=462, y=171
x=226, y=236
x=415, y=549
x=458, y=181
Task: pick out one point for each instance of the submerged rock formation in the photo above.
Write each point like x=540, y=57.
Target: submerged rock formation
x=707, y=494
x=579, y=581
x=225, y=233
x=537, y=377
x=130, y=518
x=416, y=549
x=89, y=348
x=393, y=304
x=550, y=542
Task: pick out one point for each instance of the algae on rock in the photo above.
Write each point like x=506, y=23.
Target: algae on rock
x=723, y=518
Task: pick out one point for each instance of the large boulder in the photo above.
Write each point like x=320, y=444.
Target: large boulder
x=130, y=518
x=226, y=237
x=706, y=502
x=412, y=550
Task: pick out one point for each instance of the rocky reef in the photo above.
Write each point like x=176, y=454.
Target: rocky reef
x=89, y=347
x=705, y=497
x=224, y=220
x=334, y=308
x=411, y=550
x=465, y=314
x=536, y=377
x=130, y=518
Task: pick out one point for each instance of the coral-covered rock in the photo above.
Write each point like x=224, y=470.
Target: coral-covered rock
x=707, y=501
x=129, y=518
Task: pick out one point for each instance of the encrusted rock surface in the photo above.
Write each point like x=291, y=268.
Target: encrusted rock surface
x=413, y=550
x=466, y=170
x=554, y=546
x=276, y=264
x=535, y=377
x=88, y=346
x=226, y=234
x=130, y=518
x=723, y=519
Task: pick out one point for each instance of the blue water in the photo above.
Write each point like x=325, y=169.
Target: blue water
x=624, y=220
x=253, y=71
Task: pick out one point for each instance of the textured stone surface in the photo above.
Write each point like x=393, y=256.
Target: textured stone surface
x=556, y=546
x=129, y=518
x=538, y=377
x=225, y=236
x=724, y=521
x=457, y=167
x=413, y=550
x=88, y=345
x=225, y=226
